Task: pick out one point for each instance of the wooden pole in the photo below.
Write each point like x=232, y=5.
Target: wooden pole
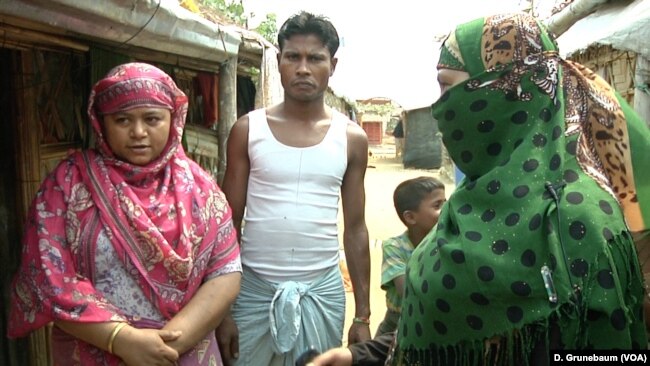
x=29, y=177
x=227, y=109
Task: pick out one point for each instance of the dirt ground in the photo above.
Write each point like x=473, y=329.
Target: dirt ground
x=384, y=173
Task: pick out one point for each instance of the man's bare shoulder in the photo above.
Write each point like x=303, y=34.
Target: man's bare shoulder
x=240, y=128
x=355, y=131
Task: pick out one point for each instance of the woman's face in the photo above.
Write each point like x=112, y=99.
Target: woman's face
x=448, y=78
x=138, y=135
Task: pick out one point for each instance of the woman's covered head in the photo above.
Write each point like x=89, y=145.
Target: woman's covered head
x=492, y=42
x=138, y=114
x=488, y=44
x=499, y=77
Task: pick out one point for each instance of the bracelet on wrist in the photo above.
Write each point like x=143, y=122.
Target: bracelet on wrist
x=361, y=320
x=114, y=334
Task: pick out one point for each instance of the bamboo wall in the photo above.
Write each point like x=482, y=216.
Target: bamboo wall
x=615, y=66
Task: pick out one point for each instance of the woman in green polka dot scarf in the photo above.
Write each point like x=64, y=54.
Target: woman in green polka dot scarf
x=534, y=249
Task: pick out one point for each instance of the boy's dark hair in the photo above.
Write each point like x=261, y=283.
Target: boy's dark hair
x=409, y=194
x=305, y=23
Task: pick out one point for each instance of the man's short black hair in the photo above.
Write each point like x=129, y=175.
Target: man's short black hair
x=305, y=23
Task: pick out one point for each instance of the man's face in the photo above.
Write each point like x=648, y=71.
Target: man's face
x=305, y=67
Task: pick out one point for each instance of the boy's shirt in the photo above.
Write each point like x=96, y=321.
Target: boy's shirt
x=396, y=252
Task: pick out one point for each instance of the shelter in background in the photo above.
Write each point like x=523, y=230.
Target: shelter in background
x=377, y=117
x=422, y=140
x=341, y=104
x=612, y=39
x=53, y=51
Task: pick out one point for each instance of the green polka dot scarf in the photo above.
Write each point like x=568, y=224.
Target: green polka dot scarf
x=533, y=247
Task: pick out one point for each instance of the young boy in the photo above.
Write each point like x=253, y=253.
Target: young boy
x=417, y=202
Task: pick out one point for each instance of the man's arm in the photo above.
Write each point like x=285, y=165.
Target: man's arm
x=373, y=352
x=235, y=181
x=399, y=282
x=235, y=186
x=355, y=234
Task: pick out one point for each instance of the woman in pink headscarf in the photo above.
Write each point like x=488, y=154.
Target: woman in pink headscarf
x=129, y=248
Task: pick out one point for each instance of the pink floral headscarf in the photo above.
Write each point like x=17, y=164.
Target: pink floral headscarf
x=168, y=221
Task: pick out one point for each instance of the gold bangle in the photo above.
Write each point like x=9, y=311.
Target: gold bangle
x=114, y=333
x=361, y=320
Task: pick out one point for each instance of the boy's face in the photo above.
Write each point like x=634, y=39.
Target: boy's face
x=426, y=216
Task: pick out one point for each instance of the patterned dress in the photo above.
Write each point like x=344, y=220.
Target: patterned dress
x=108, y=241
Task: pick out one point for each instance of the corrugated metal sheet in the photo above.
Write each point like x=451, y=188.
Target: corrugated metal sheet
x=161, y=25
x=623, y=24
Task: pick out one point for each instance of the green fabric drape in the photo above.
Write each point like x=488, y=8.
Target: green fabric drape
x=537, y=197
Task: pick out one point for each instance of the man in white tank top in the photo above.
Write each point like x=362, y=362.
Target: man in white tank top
x=287, y=166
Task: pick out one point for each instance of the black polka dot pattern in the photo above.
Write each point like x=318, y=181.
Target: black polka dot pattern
x=481, y=267
x=478, y=105
x=606, y=207
x=530, y=165
x=479, y=299
x=475, y=322
x=528, y=259
x=500, y=247
x=494, y=149
x=557, y=132
x=556, y=162
x=488, y=215
x=545, y=115
x=520, y=288
x=535, y=222
x=514, y=314
x=486, y=273
x=465, y=209
x=521, y=191
x=519, y=117
x=575, y=198
x=577, y=230
x=485, y=126
x=440, y=327
x=579, y=267
x=494, y=187
x=458, y=256
x=570, y=176
x=449, y=282
x=443, y=306
x=539, y=140
x=605, y=279
x=512, y=219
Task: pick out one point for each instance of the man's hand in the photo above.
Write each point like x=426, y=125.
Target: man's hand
x=335, y=357
x=228, y=338
x=359, y=332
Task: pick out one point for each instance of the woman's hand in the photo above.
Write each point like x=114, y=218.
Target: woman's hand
x=146, y=346
x=335, y=357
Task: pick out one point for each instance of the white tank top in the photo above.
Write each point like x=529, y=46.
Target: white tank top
x=290, y=229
